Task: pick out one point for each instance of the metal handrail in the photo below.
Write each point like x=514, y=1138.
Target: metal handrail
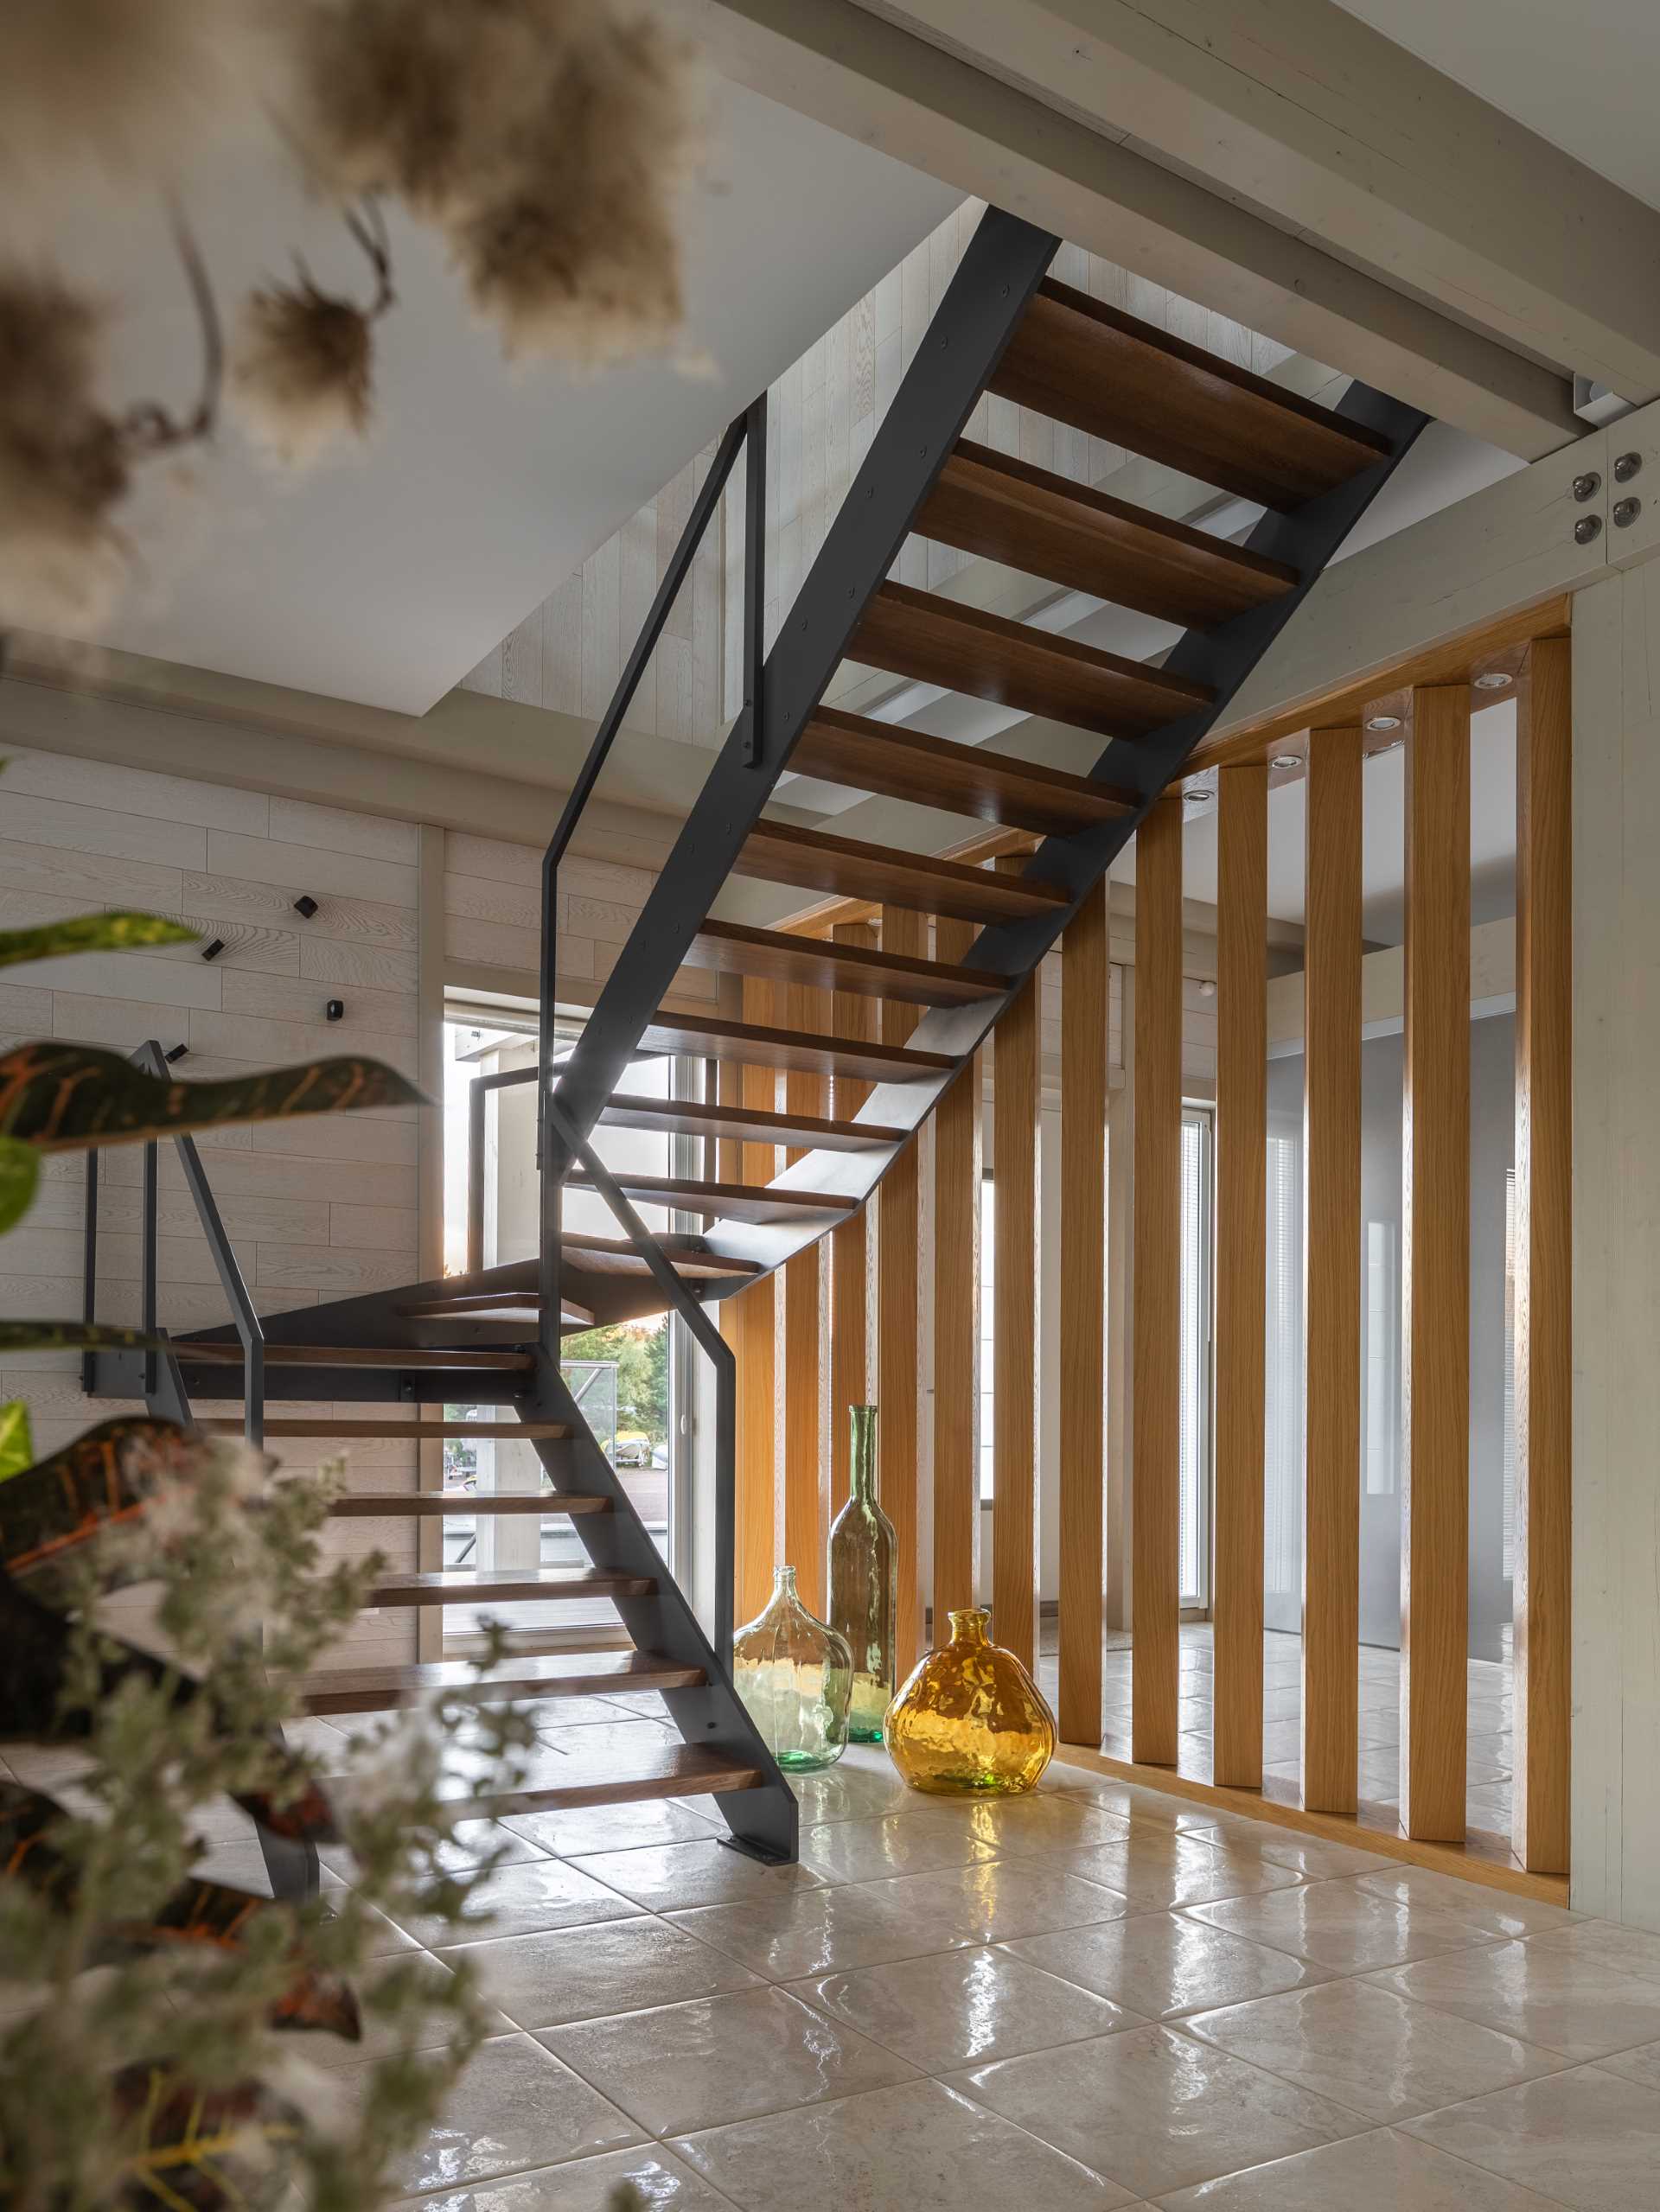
x=150, y=1057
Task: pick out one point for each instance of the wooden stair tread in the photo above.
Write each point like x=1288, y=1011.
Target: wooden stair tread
x=1030, y=519
x=191, y=1354
x=433, y=1505
x=813, y=860
x=1121, y=379
x=596, y=1255
x=508, y=1585
x=901, y=763
x=962, y=648
x=424, y=1431
x=380, y=1689
x=734, y=1202
x=820, y=964
x=675, y=1770
x=806, y=1132
x=715, y=1038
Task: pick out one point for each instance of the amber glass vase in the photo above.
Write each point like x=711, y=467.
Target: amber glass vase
x=863, y=1581
x=970, y=1721
x=794, y=1674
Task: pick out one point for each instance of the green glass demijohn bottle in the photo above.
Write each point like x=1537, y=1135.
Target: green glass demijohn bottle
x=863, y=1583
x=795, y=1675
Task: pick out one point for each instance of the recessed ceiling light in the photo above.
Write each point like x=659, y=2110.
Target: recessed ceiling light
x=1383, y=721
x=1494, y=680
x=1196, y=798
x=1286, y=761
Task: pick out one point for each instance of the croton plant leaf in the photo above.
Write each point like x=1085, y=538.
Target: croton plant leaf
x=20, y=1174
x=210, y=1914
x=187, y=2148
x=65, y=1098
x=92, y=933
x=16, y=1441
x=63, y=1501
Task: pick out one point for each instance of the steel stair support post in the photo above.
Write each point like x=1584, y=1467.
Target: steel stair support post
x=1004, y=263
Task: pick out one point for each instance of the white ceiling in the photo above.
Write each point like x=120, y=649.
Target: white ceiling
x=1584, y=76
x=385, y=578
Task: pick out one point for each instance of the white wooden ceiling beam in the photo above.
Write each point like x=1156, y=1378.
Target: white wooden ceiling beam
x=888, y=87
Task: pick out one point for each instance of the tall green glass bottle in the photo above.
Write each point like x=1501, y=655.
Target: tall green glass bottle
x=863, y=1581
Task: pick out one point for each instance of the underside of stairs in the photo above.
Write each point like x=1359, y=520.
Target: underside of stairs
x=492, y=1337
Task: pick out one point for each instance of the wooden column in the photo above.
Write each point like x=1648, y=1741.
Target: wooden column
x=957, y=1322
x=1331, y=1272
x=1081, y=1493
x=754, y=1325
x=1157, y=1323
x=1436, y=1505
x=805, y=1519
x=1240, y=1270
x=1543, y=1255
x=898, y=1351
x=854, y=1015
x=1016, y=1076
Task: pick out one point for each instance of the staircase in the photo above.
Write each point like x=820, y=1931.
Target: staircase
x=1003, y=327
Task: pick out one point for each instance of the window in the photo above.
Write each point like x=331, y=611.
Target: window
x=1381, y=1370
x=1510, y=1374
x=1195, y=1424
x=1283, y=1532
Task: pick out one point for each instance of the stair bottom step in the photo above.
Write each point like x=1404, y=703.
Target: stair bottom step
x=556, y=1674
x=678, y=1770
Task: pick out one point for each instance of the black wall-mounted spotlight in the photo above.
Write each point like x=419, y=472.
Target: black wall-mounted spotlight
x=212, y=952
x=335, y=1010
x=177, y=1052
x=305, y=904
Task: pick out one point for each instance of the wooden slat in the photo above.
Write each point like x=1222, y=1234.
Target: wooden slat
x=853, y=1015
x=1017, y=1069
x=1435, y=1173
x=1544, y=1259
x=732, y=1201
x=678, y=1770
x=1242, y=1244
x=895, y=762
x=898, y=1352
x=734, y=1124
x=517, y=1431
x=813, y=920
x=375, y=1356
x=754, y=1326
x=956, y=1325
x=612, y=1255
x=1134, y=385
x=805, y=1519
x=504, y=1586
x=1156, y=1321
x=768, y=1045
x=382, y=1689
x=823, y=966
x=945, y=642
x=1085, y=984
x=813, y=860
x=393, y=1505
x=1331, y=1272
x=1047, y=526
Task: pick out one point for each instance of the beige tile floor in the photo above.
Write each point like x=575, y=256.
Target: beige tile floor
x=1096, y=1997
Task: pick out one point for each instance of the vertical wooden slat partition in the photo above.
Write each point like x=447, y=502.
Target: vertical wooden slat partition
x=1543, y=1255
x=1241, y=1265
x=957, y=1322
x=897, y=1344
x=1016, y=1099
x=804, y=1501
x=1081, y=1486
x=853, y=1015
x=755, y=1343
x=1435, y=1503
x=1155, y=1476
x=1331, y=1272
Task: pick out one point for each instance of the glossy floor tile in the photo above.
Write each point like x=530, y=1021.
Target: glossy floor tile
x=1581, y=2007
x=895, y=2150
x=696, y=2066
x=1385, y=2171
x=703, y=1872
x=1587, y=2138
x=1172, y=1868
x=663, y=2182
x=1155, y=2109
x=1163, y=1964
x=868, y=1851
x=826, y=1931
x=583, y=1973
x=963, y=2008
x=1341, y=1926
x=527, y=1898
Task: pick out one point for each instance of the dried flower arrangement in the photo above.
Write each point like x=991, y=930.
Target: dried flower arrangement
x=161, y=2028
x=547, y=142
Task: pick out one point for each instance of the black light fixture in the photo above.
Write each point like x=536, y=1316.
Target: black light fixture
x=212, y=952
x=177, y=1052
x=305, y=904
x=335, y=1010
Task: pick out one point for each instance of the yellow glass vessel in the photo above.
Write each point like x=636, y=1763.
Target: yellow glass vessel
x=969, y=1721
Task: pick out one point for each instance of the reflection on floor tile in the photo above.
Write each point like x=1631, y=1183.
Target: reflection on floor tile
x=1581, y=2007
x=663, y=2182
x=1340, y=1926
x=1385, y=2171
x=1164, y=1963
x=1585, y=2139
x=964, y=2008
x=703, y=1872
x=581, y=1973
